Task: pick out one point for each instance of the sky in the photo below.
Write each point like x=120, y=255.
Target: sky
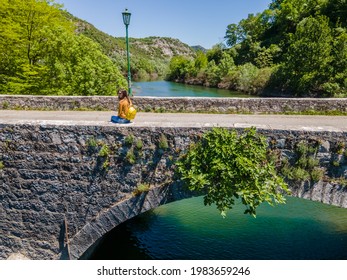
x=194, y=22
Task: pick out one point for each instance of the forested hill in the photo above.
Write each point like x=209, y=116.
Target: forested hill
x=150, y=56
x=45, y=50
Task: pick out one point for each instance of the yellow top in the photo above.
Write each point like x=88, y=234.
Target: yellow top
x=123, y=108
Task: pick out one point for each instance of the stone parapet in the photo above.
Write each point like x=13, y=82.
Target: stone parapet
x=179, y=104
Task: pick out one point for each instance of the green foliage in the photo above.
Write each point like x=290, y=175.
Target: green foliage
x=104, y=151
x=305, y=165
x=304, y=42
x=92, y=142
x=2, y=165
x=163, y=142
x=340, y=147
x=226, y=64
x=41, y=54
x=92, y=145
x=226, y=166
x=141, y=189
x=246, y=74
x=212, y=74
x=200, y=61
x=234, y=34
x=139, y=144
x=179, y=67
x=130, y=156
x=317, y=174
x=221, y=71
x=129, y=140
x=309, y=55
x=248, y=78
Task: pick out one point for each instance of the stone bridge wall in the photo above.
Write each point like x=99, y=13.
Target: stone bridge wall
x=180, y=104
x=63, y=187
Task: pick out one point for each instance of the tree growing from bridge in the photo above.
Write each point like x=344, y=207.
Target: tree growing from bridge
x=226, y=166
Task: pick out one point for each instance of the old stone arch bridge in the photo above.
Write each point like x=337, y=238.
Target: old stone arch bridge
x=67, y=178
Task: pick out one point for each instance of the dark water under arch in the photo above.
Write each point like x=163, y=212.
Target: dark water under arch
x=299, y=230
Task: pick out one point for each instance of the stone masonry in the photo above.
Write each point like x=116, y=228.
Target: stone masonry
x=62, y=187
x=179, y=104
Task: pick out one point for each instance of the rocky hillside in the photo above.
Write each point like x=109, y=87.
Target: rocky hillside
x=150, y=56
x=162, y=47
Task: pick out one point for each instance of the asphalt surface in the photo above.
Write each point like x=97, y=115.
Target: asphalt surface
x=288, y=122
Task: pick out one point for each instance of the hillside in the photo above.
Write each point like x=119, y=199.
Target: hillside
x=150, y=56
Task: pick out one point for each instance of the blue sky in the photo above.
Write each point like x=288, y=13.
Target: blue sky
x=194, y=22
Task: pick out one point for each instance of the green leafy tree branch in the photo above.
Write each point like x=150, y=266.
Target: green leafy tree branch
x=226, y=166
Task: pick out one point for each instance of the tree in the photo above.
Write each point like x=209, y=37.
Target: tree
x=41, y=54
x=200, y=61
x=215, y=54
x=212, y=74
x=309, y=55
x=78, y=67
x=225, y=166
x=23, y=26
x=226, y=64
x=338, y=81
x=179, y=67
x=234, y=34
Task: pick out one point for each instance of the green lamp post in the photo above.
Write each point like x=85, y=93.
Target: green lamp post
x=126, y=20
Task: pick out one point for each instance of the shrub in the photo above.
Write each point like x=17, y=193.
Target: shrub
x=299, y=174
x=247, y=73
x=104, y=151
x=139, y=144
x=163, y=143
x=130, y=156
x=141, y=189
x=317, y=174
x=129, y=140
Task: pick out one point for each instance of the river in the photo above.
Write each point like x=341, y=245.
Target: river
x=171, y=89
x=298, y=230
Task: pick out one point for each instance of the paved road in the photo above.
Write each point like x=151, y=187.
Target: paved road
x=317, y=123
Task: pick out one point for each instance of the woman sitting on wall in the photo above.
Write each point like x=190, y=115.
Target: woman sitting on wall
x=123, y=108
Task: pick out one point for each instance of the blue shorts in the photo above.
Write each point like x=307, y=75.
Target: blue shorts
x=116, y=119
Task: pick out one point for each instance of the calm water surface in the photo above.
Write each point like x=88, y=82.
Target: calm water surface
x=298, y=230
x=170, y=89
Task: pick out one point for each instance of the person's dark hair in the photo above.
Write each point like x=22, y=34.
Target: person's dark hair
x=124, y=94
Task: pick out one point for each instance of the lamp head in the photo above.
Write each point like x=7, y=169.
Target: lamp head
x=126, y=17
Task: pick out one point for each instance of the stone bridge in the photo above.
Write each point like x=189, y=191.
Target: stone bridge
x=64, y=184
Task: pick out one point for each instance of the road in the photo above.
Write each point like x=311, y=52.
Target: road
x=289, y=122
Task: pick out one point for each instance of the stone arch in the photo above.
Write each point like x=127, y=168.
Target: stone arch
x=119, y=213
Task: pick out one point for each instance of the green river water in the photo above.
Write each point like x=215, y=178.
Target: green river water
x=298, y=230
x=170, y=89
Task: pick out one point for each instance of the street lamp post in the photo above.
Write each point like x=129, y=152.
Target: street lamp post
x=126, y=20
